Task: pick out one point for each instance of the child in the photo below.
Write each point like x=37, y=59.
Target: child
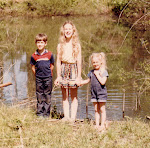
x=98, y=77
x=42, y=62
x=69, y=67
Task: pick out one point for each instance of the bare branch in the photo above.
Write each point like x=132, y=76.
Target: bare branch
x=120, y=17
x=131, y=28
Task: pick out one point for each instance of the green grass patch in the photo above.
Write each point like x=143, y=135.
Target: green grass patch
x=21, y=127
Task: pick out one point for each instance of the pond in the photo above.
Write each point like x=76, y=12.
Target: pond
x=96, y=34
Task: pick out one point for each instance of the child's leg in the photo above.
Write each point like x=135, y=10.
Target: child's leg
x=103, y=113
x=47, y=95
x=97, y=114
x=65, y=100
x=40, y=98
x=74, y=103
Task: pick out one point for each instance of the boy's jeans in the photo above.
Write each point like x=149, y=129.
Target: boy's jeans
x=43, y=93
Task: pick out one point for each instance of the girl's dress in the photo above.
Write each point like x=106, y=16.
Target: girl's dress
x=98, y=91
x=69, y=71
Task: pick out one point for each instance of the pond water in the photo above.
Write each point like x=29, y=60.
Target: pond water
x=96, y=34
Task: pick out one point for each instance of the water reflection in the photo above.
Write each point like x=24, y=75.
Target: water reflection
x=15, y=73
x=95, y=34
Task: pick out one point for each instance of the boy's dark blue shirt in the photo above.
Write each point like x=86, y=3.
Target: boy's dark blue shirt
x=42, y=63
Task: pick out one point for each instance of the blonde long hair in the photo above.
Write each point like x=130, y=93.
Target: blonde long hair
x=102, y=58
x=75, y=40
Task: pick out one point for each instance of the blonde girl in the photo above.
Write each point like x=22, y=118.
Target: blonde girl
x=98, y=77
x=69, y=67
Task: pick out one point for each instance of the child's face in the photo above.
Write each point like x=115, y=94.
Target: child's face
x=68, y=31
x=41, y=45
x=96, y=62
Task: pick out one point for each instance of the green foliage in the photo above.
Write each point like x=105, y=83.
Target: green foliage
x=55, y=114
x=2, y=4
x=118, y=5
x=133, y=12
x=145, y=67
x=139, y=78
x=53, y=7
x=124, y=75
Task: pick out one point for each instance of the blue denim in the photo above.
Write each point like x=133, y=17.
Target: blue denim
x=43, y=93
x=98, y=91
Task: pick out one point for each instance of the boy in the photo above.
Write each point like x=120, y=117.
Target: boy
x=42, y=62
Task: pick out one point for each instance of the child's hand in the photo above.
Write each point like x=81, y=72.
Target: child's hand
x=57, y=81
x=96, y=72
x=78, y=81
x=83, y=82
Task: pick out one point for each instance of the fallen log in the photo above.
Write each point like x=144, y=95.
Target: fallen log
x=148, y=117
x=5, y=84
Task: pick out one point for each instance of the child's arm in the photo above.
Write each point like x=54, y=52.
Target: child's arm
x=33, y=69
x=78, y=79
x=52, y=67
x=58, y=66
x=100, y=78
x=79, y=62
x=83, y=82
x=52, y=64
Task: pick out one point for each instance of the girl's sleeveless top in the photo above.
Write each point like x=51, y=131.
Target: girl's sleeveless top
x=67, y=57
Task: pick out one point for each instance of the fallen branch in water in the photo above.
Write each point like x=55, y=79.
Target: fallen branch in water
x=5, y=84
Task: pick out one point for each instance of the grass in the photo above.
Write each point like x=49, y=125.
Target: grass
x=21, y=128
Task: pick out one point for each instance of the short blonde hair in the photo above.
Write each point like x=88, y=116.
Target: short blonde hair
x=102, y=58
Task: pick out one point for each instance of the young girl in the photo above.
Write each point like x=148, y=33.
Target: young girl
x=69, y=67
x=98, y=77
